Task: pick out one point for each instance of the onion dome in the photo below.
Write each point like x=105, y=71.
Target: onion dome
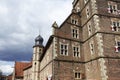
x=38, y=41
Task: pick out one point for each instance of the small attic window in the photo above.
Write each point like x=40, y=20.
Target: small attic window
x=74, y=21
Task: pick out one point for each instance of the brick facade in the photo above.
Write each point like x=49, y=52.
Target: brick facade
x=84, y=46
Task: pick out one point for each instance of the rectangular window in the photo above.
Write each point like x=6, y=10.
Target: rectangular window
x=64, y=49
x=74, y=21
x=87, y=12
x=112, y=7
x=76, y=51
x=117, y=47
x=75, y=33
x=91, y=47
x=115, y=25
x=89, y=29
x=77, y=75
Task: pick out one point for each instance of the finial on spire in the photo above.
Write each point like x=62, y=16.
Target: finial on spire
x=39, y=31
x=55, y=25
x=74, y=10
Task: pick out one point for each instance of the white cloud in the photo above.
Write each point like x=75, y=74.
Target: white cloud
x=3, y=10
x=20, y=21
x=6, y=67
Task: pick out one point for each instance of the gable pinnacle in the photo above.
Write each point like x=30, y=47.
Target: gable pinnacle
x=55, y=25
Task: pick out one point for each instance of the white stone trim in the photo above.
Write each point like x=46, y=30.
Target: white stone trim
x=92, y=48
x=100, y=44
x=60, y=48
x=96, y=23
x=94, y=6
x=55, y=48
x=78, y=32
x=103, y=69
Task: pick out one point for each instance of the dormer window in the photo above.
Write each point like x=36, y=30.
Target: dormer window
x=112, y=7
x=74, y=21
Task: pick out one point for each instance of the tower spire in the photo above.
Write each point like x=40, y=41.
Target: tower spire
x=39, y=31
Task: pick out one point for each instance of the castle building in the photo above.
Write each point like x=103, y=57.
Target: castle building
x=85, y=47
x=18, y=71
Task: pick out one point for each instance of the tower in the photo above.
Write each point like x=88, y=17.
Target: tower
x=86, y=46
x=100, y=22
x=37, y=52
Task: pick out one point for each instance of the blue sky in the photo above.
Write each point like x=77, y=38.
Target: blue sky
x=20, y=23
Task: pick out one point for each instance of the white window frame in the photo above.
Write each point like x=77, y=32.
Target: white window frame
x=112, y=7
x=115, y=25
x=75, y=32
x=76, y=51
x=64, y=53
x=74, y=21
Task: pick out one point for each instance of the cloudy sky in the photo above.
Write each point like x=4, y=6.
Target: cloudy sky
x=21, y=21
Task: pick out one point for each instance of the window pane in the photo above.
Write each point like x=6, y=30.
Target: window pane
x=75, y=75
x=77, y=49
x=78, y=75
x=118, y=43
x=61, y=46
x=118, y=24
x=65, y=46
x=77, y=54
x=119, y=49
x=114, y=24
x=74, y=48
x=74, y=53
x=115, y=28
x=73, y=30
x=61, y=51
